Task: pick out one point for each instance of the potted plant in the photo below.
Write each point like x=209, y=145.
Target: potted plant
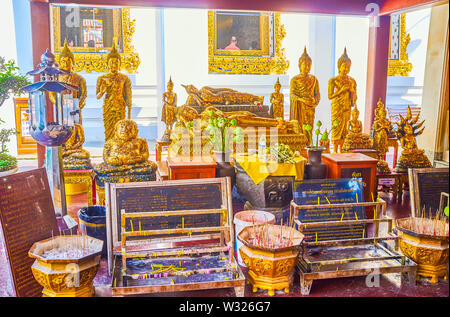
x=10, y=80
x=315, y=168
x=8, y=163
x=223, y=134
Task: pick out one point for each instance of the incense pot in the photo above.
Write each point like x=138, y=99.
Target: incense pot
x=71, y=273
x=429, y=251
x=270, y=267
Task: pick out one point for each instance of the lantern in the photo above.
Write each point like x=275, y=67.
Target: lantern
x=53, y=111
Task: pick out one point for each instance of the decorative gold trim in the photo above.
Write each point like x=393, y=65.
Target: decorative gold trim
x=254, y=62
x=401, y=66
x=88, y=59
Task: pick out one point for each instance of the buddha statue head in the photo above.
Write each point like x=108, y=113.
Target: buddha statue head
x=113, y=59
x=304, y=63
x=277, y=85
x=66, y=58
x=344, y=63
x=170, y=84
x=190, y=89
x=126, y=130
x=355, y=113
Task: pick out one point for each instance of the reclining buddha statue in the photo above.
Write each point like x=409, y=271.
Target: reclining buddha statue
x=288, y=132
x=225, y=99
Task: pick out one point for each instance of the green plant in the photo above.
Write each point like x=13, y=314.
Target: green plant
x=4, y=137
x=10, y=80
x=222, y=131
x=322, y=136
x=7, y=162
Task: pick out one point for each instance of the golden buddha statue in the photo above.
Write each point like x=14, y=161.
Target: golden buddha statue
x=125, y=156
x=325, y=142
x=342, y=93
x=381, y=128
x=65, y=62
x=277, y=101
x=168, y=111
x=73, y=154
x=411, y=156
x=207, y=96
x=355, y=138
x=117, y=88
x=304, y=93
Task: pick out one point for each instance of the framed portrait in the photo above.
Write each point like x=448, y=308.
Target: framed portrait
x=398, y=63
x=90, y=33
x=245, y=43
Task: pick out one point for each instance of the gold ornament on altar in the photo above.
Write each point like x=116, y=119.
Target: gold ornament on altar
x=116, y=87
x=169, y=109
x=208, y=96
x=407, y=131
x=277, y=101
x=304, y=93
x=355, y=138
x=325, y=142
x=342, y=93
x=381, y=127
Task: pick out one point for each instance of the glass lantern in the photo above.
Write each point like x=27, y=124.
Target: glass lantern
x=53, y=111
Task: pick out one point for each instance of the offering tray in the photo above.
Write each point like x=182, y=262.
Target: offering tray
x=351, y=257
x=170, y=247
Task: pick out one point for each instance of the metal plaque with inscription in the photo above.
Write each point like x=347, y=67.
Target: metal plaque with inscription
x=26, y=216
x=330, y=191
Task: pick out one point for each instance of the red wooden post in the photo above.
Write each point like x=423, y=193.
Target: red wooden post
x=40, y=32
x=377, y=64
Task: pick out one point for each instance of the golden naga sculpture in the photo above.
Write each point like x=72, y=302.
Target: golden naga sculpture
x=73, y=154
x=207, y=96
x=355, y=138
x=342, y=93
x=411, y=156
x=117, y=88
x=277, y=101
x=66, y=62
x=168, y=111
x=125, y=156
x=381, y=128
x=304, y=93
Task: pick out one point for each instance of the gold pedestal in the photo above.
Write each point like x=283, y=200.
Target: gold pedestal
x=79, y=182
x=269, y=270
x=430, y=253
x=100, y=195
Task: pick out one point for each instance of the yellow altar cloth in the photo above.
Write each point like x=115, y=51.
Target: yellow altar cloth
x=258, y=171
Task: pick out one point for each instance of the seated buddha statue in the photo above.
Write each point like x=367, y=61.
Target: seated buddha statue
x=73, y=154
x=355, y=138
x=219, y=96
x=125, y=156
x=411, y=156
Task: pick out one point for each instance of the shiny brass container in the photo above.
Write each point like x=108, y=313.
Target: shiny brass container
x=68, y=277
x=430, y=252
x=270, y=268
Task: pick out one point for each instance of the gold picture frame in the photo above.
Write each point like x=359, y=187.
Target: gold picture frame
x=398, y=61
x=267, y=57
x=94, y=58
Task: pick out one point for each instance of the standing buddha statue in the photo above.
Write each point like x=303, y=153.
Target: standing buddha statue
x=304, y=93
x=342, y=93
x=117, y=88
x=277, y=101
x=168, y=111
x=381, y=128
x=73, y=154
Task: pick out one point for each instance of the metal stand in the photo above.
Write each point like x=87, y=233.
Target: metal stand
x=55, y=175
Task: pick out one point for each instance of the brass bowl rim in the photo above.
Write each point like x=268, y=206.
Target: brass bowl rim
x=415, y=234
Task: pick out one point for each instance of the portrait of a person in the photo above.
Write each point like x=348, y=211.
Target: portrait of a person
x=233, y=44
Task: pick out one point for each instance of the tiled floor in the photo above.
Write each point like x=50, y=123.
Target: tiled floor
x=346, y=287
